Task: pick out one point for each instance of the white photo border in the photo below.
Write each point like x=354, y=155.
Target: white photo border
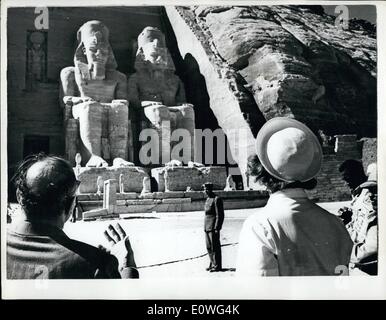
x=373, y=287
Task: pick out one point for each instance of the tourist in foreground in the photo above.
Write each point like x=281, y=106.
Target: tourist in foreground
x=37, y=247
x=291, y=235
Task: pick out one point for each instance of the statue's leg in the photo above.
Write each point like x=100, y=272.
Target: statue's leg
x=71, y=139
x=119, y=130
x=186, y=120
x=160, y=117
x=90, y=126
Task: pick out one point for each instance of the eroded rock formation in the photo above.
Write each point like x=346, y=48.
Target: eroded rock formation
x=262, y=62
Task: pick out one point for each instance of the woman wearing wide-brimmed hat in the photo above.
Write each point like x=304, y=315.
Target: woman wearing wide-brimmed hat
x=291, y=235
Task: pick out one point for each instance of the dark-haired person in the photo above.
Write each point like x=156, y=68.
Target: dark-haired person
x=353, y=174
x=214, y=218
x=291, y=235
x=37, y=247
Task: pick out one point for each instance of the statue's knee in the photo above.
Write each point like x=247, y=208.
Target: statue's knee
x=157, y=114
x=87, y=109
x=67, y=73
x=162, y=113
x=187, y=111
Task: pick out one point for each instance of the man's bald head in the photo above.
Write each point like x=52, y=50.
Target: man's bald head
x=45, y=185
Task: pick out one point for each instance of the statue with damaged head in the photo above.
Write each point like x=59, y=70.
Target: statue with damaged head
x=158, y=93
x=95, y=99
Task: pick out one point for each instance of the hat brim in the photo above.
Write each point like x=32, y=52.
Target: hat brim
x=276, y=124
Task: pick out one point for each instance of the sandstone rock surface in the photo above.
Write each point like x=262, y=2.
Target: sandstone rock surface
x=261, y=62
x=298, y=63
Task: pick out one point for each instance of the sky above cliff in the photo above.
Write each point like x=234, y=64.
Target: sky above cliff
x=365, y=12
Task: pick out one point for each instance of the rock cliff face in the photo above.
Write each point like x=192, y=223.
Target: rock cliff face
x=262, y=62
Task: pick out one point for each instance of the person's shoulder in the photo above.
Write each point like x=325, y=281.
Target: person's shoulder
x=67, y=73
x=323, y=216
x=256, y=219
x=258, y=225
x=92, y=261
x=66, y=258
x=370, y=186
x=84, y=254
x=89, y=252
x=318, y=212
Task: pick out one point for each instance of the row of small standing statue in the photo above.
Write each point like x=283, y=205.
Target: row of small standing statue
x=146, y=183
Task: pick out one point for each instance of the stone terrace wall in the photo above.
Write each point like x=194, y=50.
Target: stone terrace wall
x=330, y=186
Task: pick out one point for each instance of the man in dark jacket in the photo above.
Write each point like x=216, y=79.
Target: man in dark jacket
x=363, y=223
x=37, y=247
x=214, y=218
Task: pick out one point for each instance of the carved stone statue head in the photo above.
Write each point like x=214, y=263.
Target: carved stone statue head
x=152, y=49
x=94, y=55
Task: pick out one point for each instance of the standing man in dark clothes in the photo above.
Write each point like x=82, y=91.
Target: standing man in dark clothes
x=37, y=247
x=214, y=218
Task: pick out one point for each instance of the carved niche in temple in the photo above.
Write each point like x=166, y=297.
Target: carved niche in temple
x=36, y=59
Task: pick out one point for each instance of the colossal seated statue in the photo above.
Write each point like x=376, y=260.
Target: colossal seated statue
x=156, y=90
x=95, y=100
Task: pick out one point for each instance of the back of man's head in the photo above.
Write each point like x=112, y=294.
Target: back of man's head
x=353, y=166
x=353, y=173
x=45, y=185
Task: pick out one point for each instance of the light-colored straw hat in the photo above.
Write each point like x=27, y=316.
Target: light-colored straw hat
x=289, y=150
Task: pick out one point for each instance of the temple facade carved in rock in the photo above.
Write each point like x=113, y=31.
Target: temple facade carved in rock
x=97, y=78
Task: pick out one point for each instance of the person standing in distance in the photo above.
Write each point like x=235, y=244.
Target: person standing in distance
x=214, y=218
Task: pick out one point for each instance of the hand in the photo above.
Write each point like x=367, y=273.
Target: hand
x=120, y=246
x=345, y=215
x=343, y=211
